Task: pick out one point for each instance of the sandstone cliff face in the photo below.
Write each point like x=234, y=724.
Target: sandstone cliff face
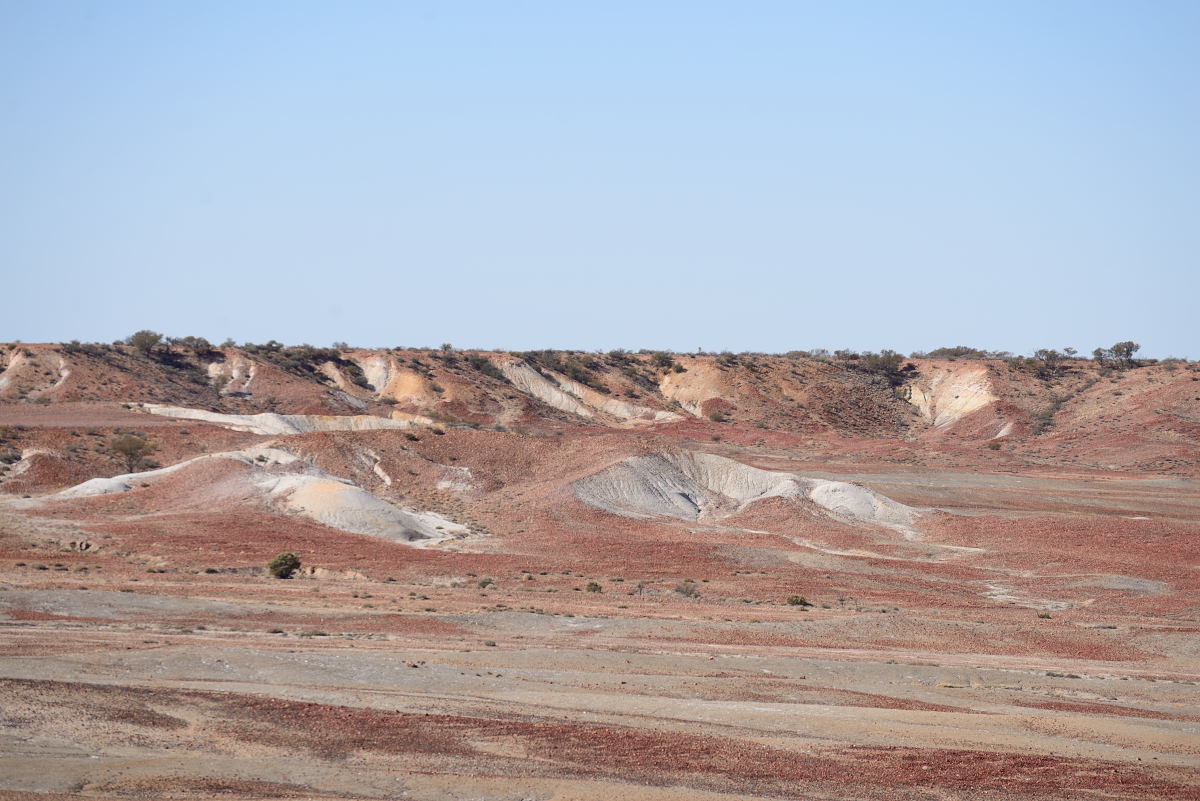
x=1147, y=417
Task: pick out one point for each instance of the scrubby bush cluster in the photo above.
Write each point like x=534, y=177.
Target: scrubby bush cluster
x=887, y=364
x=133, y=450
x=578, y=367
x=632, y=368
x=961, y=352
x=485, y=365
x=1118, y=356
x=305, y=360
x=284, y=565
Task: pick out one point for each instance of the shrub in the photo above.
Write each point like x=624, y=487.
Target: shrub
x=1044, y=615
x=592, y=586
x=798, y=600
x=688, y=589
x=1119, y=356
x=1044, y=420
x=887, y=364
x=957, y=352
x=144, y=341
x=284, y=565
x=578, y=367
x=718, y=416
x=485, y=366
x=133, y=449
x=993, y=446
x=484, y=583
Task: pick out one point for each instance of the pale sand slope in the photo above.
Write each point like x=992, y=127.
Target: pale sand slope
x=575, y=398
x=952, y=393
x=294, y=485
x=693, y=486
x=271, y=424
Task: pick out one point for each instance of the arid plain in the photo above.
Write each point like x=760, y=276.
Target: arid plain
x=560, y=575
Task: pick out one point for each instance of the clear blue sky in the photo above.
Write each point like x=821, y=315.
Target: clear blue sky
x=738, y=175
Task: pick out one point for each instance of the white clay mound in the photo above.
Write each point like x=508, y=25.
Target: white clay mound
x=695, y=486
x=294, y=485
x=272, y=424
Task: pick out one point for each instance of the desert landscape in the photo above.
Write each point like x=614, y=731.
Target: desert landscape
x=572, y=575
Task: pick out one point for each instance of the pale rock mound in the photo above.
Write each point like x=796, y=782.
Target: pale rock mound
x=574, y=398
x=235, y=374
x=292, y=484
x=272, y=424
x=11, y=369
x=531, y=382
x=348, y=507
x=339, y=380
x=702, y=485
x=395, y=382
x=691, y=389
x=952, y=393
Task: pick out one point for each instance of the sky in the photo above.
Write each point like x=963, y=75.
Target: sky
x=762, y=176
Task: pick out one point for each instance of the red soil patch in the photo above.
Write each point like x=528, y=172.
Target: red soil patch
x=1104, y=709
x=27, y=614
x=604, y=750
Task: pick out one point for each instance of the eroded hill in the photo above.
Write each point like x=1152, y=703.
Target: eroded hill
x=567, y=575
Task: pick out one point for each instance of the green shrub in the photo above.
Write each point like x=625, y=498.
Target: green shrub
x=284, y=565
x=593, y=587
x=886, y=364
x=144, y=341
x=798, y=600
x=485, y=366
x=959, y=352
x=133, y=449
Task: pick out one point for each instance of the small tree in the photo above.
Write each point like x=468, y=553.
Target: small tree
x=1124, y=351
x=888, y=364
x=144, y=341
x=284, y=565
x=133, y=449
x=662, y=359
x=197, y=345
x=1119, y=355
x=1049, y=357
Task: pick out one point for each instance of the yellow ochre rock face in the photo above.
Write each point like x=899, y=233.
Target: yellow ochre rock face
x=952, y=393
